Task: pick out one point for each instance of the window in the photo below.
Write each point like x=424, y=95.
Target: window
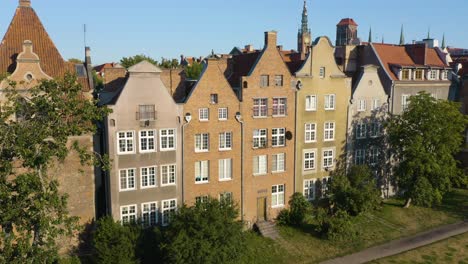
x=202, y=142
x=311, y=103
x=222, y=113
x=126, y=139
x=201, y=171
x=330, y=102
x=148, y=177
x=149, y=214
x=203, y=114
x=375, y=104
x=128, y=214
x=375, y=129
x=359, y=156
x=279, y=106
x=328, y=158
x=329, y=131
x=225, y=169
x=361, y=129
x=404, y=101
x=277, y=162
x=264, y=81
x=167, y=139
x=418, y=74
x=322, y=72
x=309, y=160
x=260, y=165
x=168, y=208
x=278, y=80
x=225, y=197
x=260, y=138
x=201, y=199
x=310, y=133
x=278, y=137
x=444, y=75
x=325, y=183
x=374, y=155
x=146, y=112
x=127, y=179
x=433, y=74
x=168, y=175
x=361, y=105
x=260, y=107
x=405, y=74
x=225, y=141
x=277, y=195
x=147, y=141
x=309, y=189
x=213, y=98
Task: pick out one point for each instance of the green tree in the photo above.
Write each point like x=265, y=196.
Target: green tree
x=205, y=233
x=33, y=213
x=76, y=61
x=425, y=138
x=128, y=62
x=355, y=192
x=194, y=71
x=169, y=63
x=299, y=207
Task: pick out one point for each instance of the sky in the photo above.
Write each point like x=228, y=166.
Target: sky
x=170, y=28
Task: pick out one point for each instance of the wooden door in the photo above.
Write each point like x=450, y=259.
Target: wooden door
x=261, y=209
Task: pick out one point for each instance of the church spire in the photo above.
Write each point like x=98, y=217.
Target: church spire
x=402, y=36
x=370, y=35
x=305, y=20
x=304, y=39
x=443, y=42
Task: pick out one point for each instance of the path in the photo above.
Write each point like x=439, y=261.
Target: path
x=402, y=245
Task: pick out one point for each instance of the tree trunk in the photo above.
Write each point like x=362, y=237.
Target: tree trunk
x=407, y=203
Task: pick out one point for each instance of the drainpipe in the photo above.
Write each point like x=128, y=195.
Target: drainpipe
x=188, y=118
x=239, y=119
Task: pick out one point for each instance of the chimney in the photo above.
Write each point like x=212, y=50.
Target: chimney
x=89, y=68
x=271, y=39
x=280, y=47
x=249, y=48
x=25, y=3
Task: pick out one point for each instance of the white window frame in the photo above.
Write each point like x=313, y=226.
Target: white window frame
x=322, y=72
x=202, y=171
x=375, y=104
x=169, y=172
x=130, y=214
x=328, y=161
x=264, y=80
x=148, y=175
x=309, y=189
x=280, y=107
x=309, y=160
x=128, y=142
x=310, y=132
x=165, y=139
x=359, y=156
x=361, y=105
x=202, y=142
x=203, y=114
x=330, y=102
x=278, y=137
x=225, y=141
x=311, y=103
x=259, y=137
x=128, y=179
x=260, y=165
x=146, y=139
x=227, y=196
x=433, y=74
x=223, y=114
x=260, y=105
x=375, y=129
x=277, y=195
x=361, y=130
x=405, y=101
x=167, y=206
x=149, y=211
x=225, y=169
x=278, y=163
x=214, y=98
x=279, y=80
x=329, y=131
x=374, y=154
x=444, y=74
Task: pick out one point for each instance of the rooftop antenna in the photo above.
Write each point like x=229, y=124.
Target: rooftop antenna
x=84, y=34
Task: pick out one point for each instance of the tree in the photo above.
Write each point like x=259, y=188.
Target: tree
x=299, y=207
x=169, y=64
x=33, y=214
x=424, y=139
x=128, y=62
x=76, y=61
x=354, y=192
x=194, y=71
x=205, y=233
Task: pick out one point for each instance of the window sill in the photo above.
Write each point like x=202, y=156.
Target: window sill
x=278, y=206
x=203, y=182
x=310, y=142
x=311, y=110
x=166, y=185
x=201, y=151
x=329, y=140
x=126, y=153
x=330, y=109
x=165, y=150
x=203, y=120
x=282, y=146
x=148, y=187
x=276, y=116
x=222, y=119
x=225, y=180
x=260, y=174
x=127, y=190
x=309, y=170
x=278, y=172
x=147, y=151
x=224, y=150
x=260, y=117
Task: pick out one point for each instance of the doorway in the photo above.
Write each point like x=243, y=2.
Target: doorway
x=261, y=209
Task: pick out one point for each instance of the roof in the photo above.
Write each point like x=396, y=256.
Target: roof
x=26, y=25
x=144, y=67
x=242, y=64
x=415, y=55
x=346, y=22
x=292, y=59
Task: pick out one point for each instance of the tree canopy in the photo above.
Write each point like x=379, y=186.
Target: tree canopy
x=424, y=140
x=128, y=62
x=194, y=71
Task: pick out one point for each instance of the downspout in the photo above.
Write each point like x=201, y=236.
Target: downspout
x=239, y=119
x=187, y=118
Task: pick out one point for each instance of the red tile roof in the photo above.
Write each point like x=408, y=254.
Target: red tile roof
x=241, y=66
x=292, y=59
x=347, y=21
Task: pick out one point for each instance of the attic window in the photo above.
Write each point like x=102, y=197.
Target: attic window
x=245, y=84
x=146, y=112
x=444, y=75
x=405, y=74
x=322, y=72
x=418, y=75
x=213, y=98
x=29, y=77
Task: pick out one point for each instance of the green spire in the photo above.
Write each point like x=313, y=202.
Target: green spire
x=383, y=39
x=305, y=20
x=429, y=33
x=443, y=42
x=370, y=35
x=402, y=36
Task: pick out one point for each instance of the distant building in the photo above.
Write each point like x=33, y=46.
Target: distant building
x=347, y=32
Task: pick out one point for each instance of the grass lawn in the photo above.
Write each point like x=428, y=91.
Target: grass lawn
x=452, y=250
x=391, y=222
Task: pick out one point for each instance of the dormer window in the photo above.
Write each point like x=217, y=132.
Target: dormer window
x=433, y=74
x=418, y=74
x=444, y=75
x=405, y=74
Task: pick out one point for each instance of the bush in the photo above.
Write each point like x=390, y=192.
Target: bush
x=337, y=227
x=424, y=194
x=283, y=217
x=299, y=207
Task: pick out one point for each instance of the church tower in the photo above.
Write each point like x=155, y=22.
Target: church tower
x=303, y=35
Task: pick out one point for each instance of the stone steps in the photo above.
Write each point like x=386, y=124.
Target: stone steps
x=268, y=229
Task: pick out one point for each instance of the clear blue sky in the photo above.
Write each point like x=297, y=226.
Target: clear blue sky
x=157, y=28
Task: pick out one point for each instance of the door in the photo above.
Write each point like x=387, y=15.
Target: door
x=261, y=209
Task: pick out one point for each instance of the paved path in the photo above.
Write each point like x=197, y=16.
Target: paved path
x=402, y=245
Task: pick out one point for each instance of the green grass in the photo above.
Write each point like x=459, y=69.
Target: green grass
x=302, y=245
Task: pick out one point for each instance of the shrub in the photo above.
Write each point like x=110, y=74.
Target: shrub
x=424, y=194
x=283, y=217
x=299, y=207
x=337, y=227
